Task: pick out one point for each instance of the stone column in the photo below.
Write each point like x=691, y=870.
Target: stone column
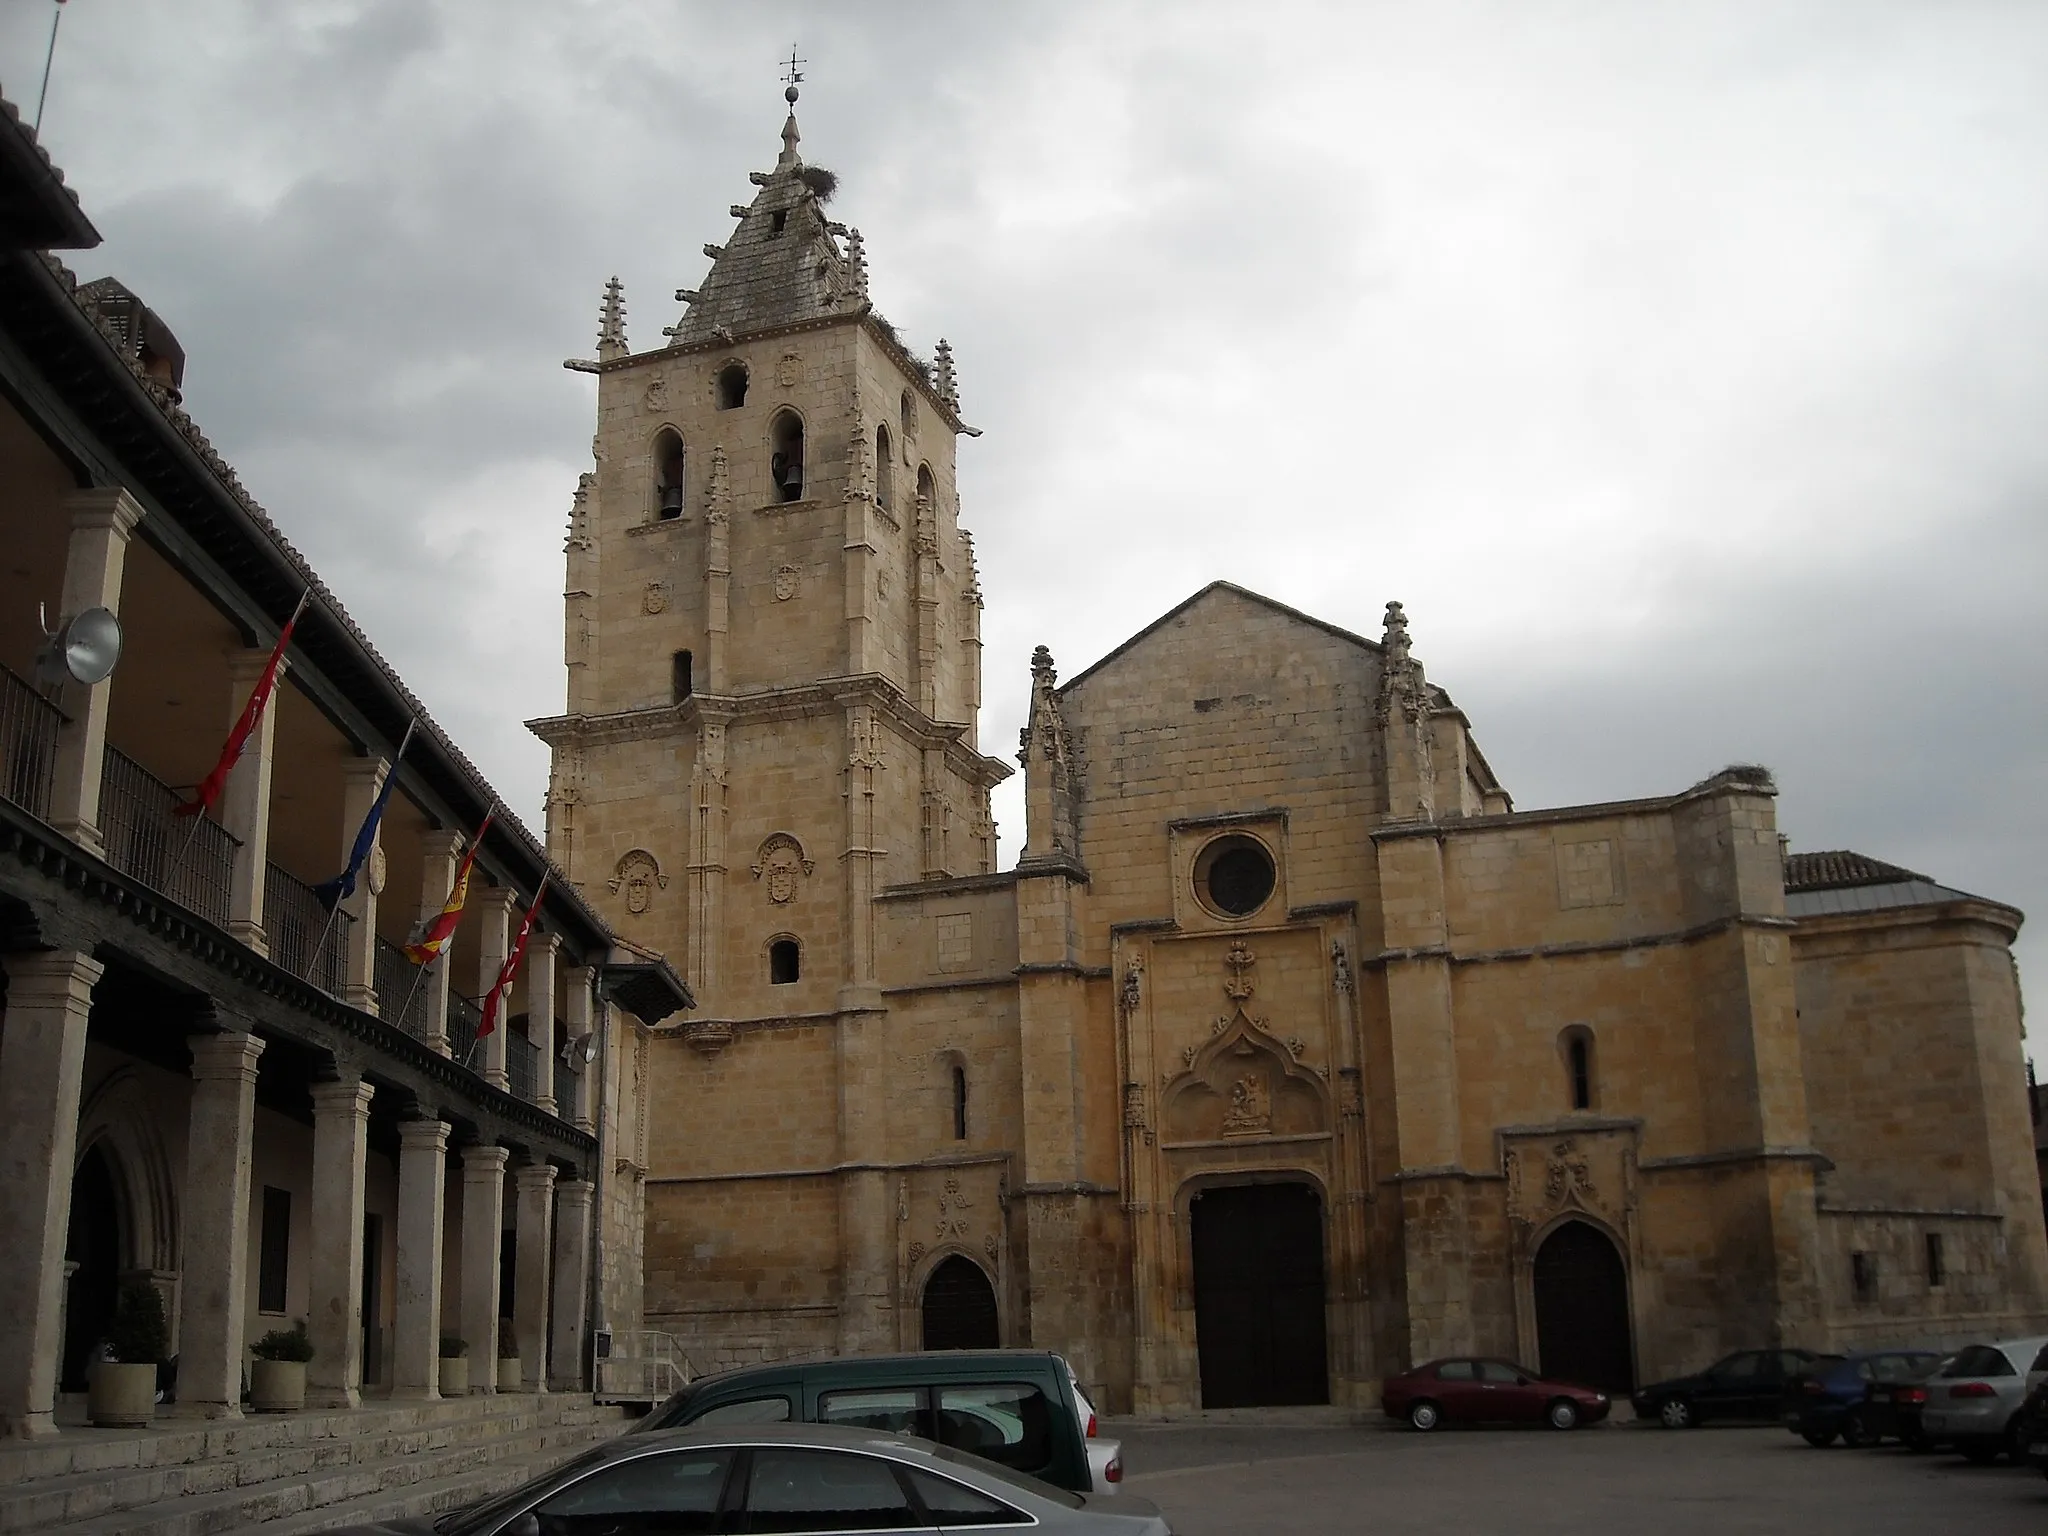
x=440, y=854
x=341, y=1125
x=42, y=1065
x=360, y=782
x=416, y=1334
x=102, y=518
x=577, y=1019
x=541, y=949
x=483, y=1230
x=213, y=1289
x=571, y=1284
x=245, y=803
x=535, y=1258
x=495, y=907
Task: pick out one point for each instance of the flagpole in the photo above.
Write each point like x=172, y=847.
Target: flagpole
x=419, y=975
x=390, y=775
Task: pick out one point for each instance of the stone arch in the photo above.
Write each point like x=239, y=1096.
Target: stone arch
x=1246, y=1083
x=788, y=469
x=973, y=1306
x=1580, y=1297
x=119, y=1117
x=668, y=486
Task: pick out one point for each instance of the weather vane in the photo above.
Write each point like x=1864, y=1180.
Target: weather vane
x=792, y=73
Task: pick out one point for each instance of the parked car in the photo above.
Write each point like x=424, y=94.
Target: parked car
x=1105, y=1457
x=1974, y=1403
x=1019, y=1407
x=1826, y=1399
x=1487, y=1391
x=1891, y=1409
x=780, y=1477
x=1749, y=1384
x=2032, y=1434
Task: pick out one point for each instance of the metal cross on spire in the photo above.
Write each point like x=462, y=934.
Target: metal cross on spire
x=792, y=72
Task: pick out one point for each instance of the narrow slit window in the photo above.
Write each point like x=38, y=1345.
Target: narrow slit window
x=1863, y=1276
x=274, y=1251
x=907, y=415
x=1937, y=1262
x=679, y=683
x=785, y=962
x=786, y=461
x=959, y=1103
x=780, y=222
x=1582, y=1073
x=885, y=470
x=668, y=489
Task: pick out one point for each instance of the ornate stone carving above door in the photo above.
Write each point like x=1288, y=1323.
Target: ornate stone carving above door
x=1558, y=1172
x=1242, y=1082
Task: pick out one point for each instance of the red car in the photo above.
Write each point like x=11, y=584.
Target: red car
x=1487, y=1391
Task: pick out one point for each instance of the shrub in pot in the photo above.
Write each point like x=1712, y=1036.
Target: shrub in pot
x=454, y=1366
x=277, y=1381
x=508, y=1359
x=122, y=1386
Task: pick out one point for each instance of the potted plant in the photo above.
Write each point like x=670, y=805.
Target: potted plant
x=277, y=1381
x=122, y=1386
x=454, y=1366
x=508, y=1358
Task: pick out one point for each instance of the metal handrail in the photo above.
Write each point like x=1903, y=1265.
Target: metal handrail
x=396, y=989
x=465, y=1018
x=293, y=920
x=644, y=1365
x=522, y=1067
x=191, y=860
x=29, y=724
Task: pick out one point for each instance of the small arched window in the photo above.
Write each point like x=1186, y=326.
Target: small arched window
x=927, y=488
x=959, y=1103
x=679, y=686
x=732, y=386
x=786, y=459
x=907, y=414
x=1578, y=1066
x=785, y=962
x=668, y=476
x=885, y=470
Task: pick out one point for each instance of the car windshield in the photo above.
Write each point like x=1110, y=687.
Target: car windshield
x=479, y=1517
x=996, y=1469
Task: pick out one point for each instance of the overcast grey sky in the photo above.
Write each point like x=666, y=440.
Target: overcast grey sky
x=1683, y=368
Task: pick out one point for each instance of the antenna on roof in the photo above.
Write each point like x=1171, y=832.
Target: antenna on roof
x=43, y=95
x=792, y=73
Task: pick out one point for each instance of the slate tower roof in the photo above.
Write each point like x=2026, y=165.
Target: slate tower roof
x=783, y=264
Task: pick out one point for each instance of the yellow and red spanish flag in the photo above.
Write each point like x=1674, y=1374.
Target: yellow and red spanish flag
x=210, y=787
x=426, y=949
x=510, y=968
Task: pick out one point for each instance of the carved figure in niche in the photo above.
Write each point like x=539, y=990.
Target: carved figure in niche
x=640, y=876
x=1251, y=1108
x=780, y=862
x=787, y=579
x=655, y=598
x=1134, y=1111
x=1340, y=967
x=1132, y=993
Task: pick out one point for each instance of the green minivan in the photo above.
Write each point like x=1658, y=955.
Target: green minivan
x=1019, y=1407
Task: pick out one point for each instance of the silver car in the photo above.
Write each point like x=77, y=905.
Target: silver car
x=1974, y=1401
x=780, y=1477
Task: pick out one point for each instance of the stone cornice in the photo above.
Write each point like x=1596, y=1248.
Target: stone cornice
x=1969, y=911
x=827, y=696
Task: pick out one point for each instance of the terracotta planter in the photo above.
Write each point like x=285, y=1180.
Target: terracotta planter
x=121, y=1396
x=454, y=1377
x=508, y=1373
x=277, y=1386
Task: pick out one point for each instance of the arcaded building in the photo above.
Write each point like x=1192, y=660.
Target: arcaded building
x=1289, y=1052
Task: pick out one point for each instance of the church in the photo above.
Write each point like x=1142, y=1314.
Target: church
x=1289, y=1052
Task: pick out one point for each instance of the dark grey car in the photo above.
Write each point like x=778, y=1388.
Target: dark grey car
x=776, y=1478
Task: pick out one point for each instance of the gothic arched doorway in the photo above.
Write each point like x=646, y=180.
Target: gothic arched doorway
x=1258, y=1252
x=1581, y=1295
x=94, y=1244
x=960, y=1307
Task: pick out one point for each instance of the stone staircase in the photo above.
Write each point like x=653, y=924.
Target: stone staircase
x=294, y=1472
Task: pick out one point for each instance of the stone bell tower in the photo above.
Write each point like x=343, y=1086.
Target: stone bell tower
x=772, y=623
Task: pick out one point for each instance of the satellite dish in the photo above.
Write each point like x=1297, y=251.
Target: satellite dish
x=84, y=649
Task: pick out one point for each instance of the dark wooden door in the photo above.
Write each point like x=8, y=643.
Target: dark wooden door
x=1258, y=1251
x=1582, y=1327
x=960, y=1308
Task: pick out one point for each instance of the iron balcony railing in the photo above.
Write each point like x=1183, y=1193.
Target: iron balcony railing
x=293, y=919
x=28, y=744
x=401, y=990
x=522, y=1067
x=189, y=859
x=565, y=1089
x=464, y=1019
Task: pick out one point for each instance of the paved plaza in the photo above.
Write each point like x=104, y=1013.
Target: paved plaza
x=1308, y=1479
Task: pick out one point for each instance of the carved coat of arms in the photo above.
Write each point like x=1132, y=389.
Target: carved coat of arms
x=639, y=876
x=779, y=866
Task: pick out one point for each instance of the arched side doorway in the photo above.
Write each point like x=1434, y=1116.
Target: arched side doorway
x=94, y=1245
x=960, y=1307
x=1258, y=1262
x=1581, y=1296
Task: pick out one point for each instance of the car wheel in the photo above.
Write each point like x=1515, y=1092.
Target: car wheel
x=1676, y=1413
x=1857, y=1433
x=1563, y=1414
x=1819, y=1439
x=1424, y=1415
x=1979, y=1451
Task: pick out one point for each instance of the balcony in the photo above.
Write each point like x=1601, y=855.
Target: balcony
x=28, y=744
x=401, y=989
x=522, y=1066
x=188, y=859
x=294, y=920
x=464, y=1019
x=565, y=1088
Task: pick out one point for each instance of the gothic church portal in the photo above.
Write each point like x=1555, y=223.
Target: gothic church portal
x=1289, y=1052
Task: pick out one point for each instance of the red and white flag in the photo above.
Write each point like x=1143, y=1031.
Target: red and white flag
x=510, y=969
x=209, y=789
